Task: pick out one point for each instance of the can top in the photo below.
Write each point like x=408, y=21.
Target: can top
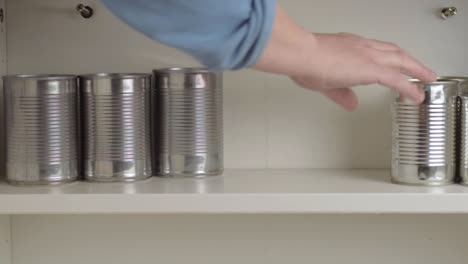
x=462, y=82
x=441, y=91
x=183, y=70
x=51, y=77
x=455, y=78
x=439, y=81
x=115, y=83
x=187, y=78
x=33, y=85
x=114, y=75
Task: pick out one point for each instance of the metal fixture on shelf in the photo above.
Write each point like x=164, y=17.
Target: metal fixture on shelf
x=85, y=11
x=448, y=12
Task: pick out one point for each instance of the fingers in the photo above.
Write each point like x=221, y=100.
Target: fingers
x=344, y=97
x=404, y=63
x=396, y=62
x=392, y=55
x=382, y=45
x=370, y=61
x=389, y=54
x=399, y=83
x=372, y=43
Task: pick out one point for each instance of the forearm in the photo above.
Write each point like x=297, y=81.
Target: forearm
x=288, y=49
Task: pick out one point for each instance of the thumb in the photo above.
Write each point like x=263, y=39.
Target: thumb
x=344, y=97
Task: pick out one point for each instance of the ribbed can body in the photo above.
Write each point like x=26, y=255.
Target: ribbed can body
x=424, y=136
x=188, y=122
x=41, y=120
x=464, y=139
x=116, y=126
x=460, y=148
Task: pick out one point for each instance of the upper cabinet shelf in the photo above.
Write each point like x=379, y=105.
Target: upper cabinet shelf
x=241, y=191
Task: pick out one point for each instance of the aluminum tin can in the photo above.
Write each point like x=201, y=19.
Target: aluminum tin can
x=463, y=156
x=460, y=132
x=116, y=127
x=41, y=129
x=462, y=83
x=424, y=136
x=188, y=122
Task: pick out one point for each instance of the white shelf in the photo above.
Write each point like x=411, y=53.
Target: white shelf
x=240, y=191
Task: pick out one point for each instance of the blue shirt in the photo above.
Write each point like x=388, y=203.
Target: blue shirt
x=221, y=34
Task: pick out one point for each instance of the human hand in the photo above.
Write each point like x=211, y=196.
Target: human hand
x=337, y=62
x=334, y=63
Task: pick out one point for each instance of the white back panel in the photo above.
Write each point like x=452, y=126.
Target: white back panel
x=234, y=239
x=5, y=239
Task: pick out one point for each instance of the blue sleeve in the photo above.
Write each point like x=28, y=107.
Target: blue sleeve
x=221, y=34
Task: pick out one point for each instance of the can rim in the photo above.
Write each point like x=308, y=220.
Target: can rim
x=183, y=70
x=108, y=75
x=455, y=78
x=441, y=80
x=41, y=76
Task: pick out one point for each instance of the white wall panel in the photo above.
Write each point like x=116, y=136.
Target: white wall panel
x=323, y=239
x=5, y=239
x=245, y=117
